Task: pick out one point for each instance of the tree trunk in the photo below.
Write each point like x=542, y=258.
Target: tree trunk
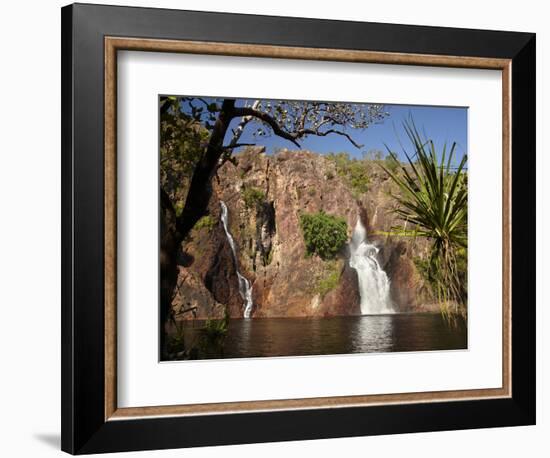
x=169, y=243
x=174, y=231
x=200, y=188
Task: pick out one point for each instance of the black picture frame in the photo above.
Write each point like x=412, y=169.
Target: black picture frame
x=84, y=428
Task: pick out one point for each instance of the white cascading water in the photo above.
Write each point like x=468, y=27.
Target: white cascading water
x=245, y=289
x=374, y=284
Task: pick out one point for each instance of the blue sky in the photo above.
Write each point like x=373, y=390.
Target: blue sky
x=440, y=124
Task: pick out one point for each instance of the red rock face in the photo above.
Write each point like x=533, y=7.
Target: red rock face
x=408, y=290
x=344, y=299
x=270, y=247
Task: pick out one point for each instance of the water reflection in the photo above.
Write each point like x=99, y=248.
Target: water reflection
x=245, y=332
x=373, y=332
x=338, y=335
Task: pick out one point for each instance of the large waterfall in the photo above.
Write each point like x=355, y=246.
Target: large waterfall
x=374, y=285
x=245, y=289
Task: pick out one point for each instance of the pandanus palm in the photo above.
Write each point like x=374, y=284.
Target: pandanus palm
x=433, y=203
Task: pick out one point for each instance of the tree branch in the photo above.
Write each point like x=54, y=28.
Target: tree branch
x=269, y=120
x=238, y=145
x=338, y=132
x=240, y=128
x=293, y=137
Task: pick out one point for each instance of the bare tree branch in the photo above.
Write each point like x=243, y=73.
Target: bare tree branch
x=332, y=131
x=240, y=128
x=269, y=120
x=300, y=133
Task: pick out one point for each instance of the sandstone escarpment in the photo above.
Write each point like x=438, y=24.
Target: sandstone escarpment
x=265, y=195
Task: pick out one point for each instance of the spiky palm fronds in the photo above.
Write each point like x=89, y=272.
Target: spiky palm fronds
x=434, y=200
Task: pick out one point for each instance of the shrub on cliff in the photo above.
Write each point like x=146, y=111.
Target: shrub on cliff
x=354, y=172
x=391, y=163
x=252, y=197
x=330, y=279
x=206, y=222
x=324, y=234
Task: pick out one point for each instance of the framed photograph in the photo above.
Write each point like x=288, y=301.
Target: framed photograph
x=281, y=228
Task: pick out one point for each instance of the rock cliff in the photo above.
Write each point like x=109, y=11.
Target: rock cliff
x=265, y=195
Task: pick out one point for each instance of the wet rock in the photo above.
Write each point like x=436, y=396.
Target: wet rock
x=265, y=195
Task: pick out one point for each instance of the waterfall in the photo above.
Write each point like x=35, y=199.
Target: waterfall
x=245, y=289
x=374, y=284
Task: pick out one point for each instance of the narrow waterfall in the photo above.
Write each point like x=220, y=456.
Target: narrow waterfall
x=245, y=289
x=374, y=284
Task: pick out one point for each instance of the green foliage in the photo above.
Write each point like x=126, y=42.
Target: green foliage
x=182, y=142
x=176, y=342
x=434, y=200
x=206, y=222
x=209, y=340
x=214, y=331
x=324, y=234
x=391, y=163
x=268, y=258
x=354, y=171
x=424, y=269
x=373, y=155
x=461, y=257
x=331, y=279
x=436, y=280
x=178, y=207
x=252, y=197
x=377, y=158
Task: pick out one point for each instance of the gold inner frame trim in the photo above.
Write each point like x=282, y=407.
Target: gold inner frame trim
x=114, y=44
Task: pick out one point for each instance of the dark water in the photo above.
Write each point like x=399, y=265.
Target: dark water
x=337, y=335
